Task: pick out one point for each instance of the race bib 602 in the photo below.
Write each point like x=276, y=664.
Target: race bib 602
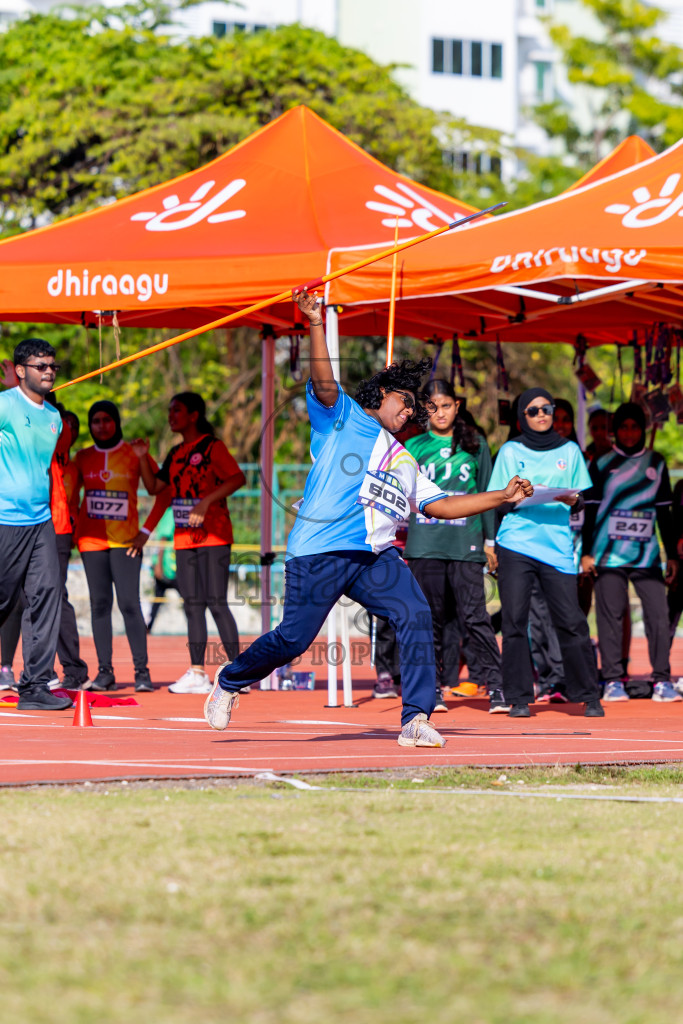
x=383, y=492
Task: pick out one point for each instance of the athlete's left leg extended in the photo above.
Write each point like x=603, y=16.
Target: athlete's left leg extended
x=313, y=584
x=388, y=588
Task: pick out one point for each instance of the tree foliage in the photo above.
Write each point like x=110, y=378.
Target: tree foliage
x=632, y=80
x=98, y=105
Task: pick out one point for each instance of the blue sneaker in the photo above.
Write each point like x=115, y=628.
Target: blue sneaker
x=615, y=691
x=665, y=692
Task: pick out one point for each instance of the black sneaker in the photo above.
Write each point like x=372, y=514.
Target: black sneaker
x=143, y=683
x=37, y=697
x=520, y=711
x=594, y=709
x=69, y=683
x=104, y=680
x=440, y=702
x=497, y=703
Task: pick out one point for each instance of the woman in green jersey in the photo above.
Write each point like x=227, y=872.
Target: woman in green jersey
x=448, y=557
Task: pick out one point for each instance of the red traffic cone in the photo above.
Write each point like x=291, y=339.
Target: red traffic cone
x=82, y=714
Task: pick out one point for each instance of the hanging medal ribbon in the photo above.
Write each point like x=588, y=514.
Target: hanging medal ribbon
x=456, y=364
x=295, y=356
x=438, y=344
x=637, y=358
x=502, y=380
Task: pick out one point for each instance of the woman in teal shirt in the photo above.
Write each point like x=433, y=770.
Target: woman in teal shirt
x=534, y=545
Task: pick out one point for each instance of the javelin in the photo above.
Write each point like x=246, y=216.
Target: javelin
x=283, y=296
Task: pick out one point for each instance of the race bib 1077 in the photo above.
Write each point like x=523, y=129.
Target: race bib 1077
x=383, y=491
x=107, y=504
x=626, y=525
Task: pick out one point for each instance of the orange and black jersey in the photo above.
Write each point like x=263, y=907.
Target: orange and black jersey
x=194, y=470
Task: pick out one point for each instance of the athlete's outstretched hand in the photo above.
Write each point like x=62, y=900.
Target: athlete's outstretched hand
x=308, y=304
x=140, y=446
x=8, y=375
x=518, y=489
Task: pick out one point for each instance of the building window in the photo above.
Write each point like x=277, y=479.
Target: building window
x=496, y=60
x=438, y=50
x=456, y=56
x=476, y=62
x=469, y=57
x=472, y=163
x=543, y=80
x=231, y=28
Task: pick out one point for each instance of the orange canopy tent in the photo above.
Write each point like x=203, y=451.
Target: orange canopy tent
x=256, y=221
x=604, y=257
x=631, y=151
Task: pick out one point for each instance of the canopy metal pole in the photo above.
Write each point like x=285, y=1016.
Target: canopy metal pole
x=267, y=445
x=581, y=415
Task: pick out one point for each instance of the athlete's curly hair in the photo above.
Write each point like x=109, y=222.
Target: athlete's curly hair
x=404, y=376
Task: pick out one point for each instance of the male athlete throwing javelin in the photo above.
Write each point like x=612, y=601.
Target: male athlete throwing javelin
x=362, y=485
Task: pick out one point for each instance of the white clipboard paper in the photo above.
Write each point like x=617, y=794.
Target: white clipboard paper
x=544, y=495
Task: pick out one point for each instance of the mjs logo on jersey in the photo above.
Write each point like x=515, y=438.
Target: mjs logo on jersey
x=383, y=491
x=561, y=463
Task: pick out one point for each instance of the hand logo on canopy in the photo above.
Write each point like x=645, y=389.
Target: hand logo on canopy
x=641, y=215
x=196, y=209
x=412, y=209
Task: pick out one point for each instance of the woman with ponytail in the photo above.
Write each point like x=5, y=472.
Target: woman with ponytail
x=201, y=473
x=448, y=556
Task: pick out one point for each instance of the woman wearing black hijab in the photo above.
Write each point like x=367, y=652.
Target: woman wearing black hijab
x=110, y=541
x=534, y=546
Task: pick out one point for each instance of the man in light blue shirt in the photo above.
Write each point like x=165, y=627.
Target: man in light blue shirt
x=29, y=428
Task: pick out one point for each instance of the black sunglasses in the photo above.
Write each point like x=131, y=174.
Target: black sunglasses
x=409, y=400
x=42, y=367
x=533, y=411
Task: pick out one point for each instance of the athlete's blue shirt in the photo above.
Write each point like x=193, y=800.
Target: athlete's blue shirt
x=362, y=485
x=540, y=531
x=28, y=435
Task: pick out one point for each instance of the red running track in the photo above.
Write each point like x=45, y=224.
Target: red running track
x=165, y=736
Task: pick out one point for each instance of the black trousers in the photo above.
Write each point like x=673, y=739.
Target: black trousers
x=545, y=647
x=202, y=576
x=10, y=631
x=28, y=556
x=386, y=650
x=160, y=588
x=68, y=643
x=105, y=570
x=459, y=584
x=611, y=606
x=517, y=575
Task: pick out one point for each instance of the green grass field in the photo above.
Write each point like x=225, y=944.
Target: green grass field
x=382, y=902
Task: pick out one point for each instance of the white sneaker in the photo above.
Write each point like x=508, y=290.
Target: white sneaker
x=419, y=732
x=219, y=704
x=191, y=681
x=54, y=683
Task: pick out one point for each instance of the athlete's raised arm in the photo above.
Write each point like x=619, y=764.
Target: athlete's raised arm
x=322, y=375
